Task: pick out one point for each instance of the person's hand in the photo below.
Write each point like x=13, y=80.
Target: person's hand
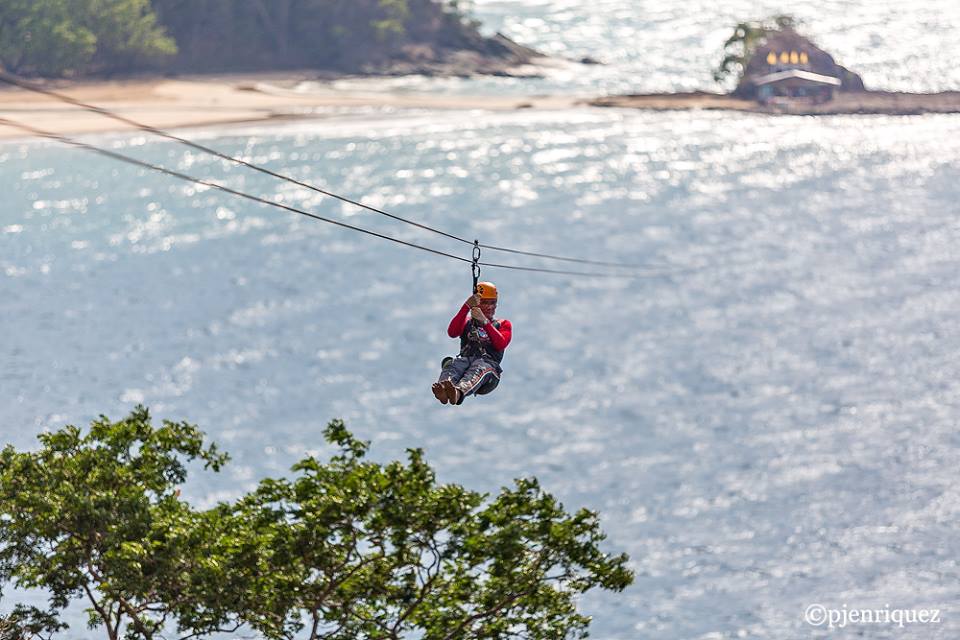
x=472, y=301
x=477, y=315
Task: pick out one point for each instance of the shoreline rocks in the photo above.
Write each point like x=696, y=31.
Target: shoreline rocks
x=859, y=102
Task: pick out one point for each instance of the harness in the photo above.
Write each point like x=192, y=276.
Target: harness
x=472, y=344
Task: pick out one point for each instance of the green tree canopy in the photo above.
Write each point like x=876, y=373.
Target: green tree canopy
x=325, y=34
x=58, y=37
x=74, y=37
x=97, y=517
x=346, y=549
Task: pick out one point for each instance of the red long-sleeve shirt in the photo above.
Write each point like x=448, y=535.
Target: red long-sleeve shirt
x=499, y=338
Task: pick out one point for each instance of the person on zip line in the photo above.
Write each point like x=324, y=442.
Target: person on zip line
x=483, y=339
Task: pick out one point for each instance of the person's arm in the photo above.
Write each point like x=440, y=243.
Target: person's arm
x=459, y=322
x=499, y=338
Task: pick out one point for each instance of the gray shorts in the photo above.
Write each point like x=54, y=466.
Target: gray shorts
x=476, y=375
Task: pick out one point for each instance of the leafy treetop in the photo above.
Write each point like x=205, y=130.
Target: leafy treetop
x=345, y=549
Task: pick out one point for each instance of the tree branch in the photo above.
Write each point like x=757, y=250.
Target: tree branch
x=107, y=617
x=424, y=591
x=125, y=606
x=499, y=606
x=215, y=630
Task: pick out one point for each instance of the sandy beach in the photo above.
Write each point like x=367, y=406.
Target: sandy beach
x=274, y=97
x=222, y=100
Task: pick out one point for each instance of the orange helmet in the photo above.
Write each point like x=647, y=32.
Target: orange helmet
x=487, y=290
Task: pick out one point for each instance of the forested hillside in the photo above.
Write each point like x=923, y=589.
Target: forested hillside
x=81, y=37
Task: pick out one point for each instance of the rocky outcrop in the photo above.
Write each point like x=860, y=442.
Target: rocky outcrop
x=497, y=55
x=848, y=103
x=788, y=40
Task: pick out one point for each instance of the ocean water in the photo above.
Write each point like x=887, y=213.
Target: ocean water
x=650, y=46
x=765, y=418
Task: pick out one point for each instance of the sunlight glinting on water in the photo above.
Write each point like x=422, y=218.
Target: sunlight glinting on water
x=704, y=411
x=766, y=419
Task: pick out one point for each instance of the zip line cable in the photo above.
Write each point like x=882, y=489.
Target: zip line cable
x=176, y=174
x=4, y=77
x=17, y=82
x=182, y=176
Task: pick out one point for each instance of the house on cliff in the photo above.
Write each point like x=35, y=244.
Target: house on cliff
x=788, y=66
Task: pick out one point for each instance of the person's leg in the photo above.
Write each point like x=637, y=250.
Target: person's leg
x=487, y=387
x=455, y=369
x=452, y=373
x=480, y=375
